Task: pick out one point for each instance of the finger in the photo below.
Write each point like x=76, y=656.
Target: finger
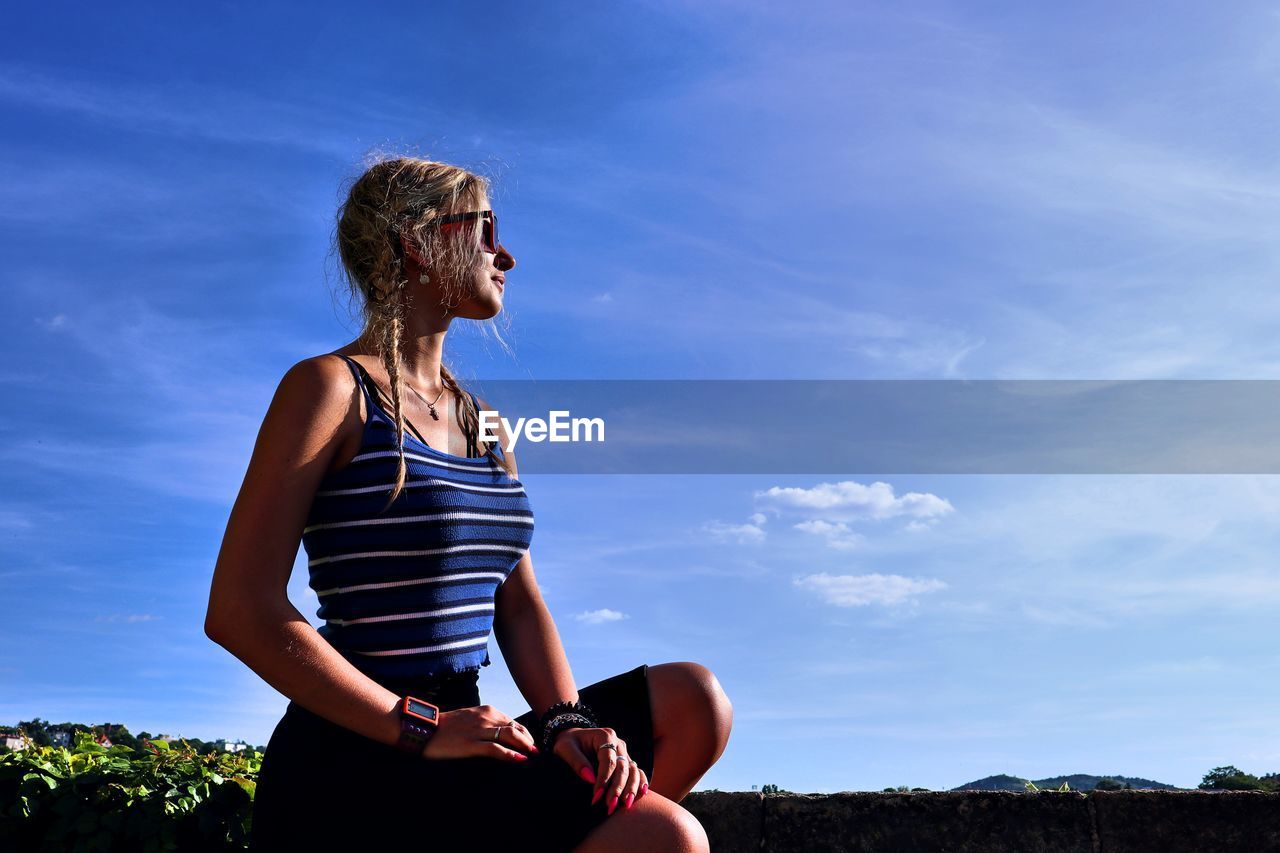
x=632, y=789
x=607, y=762
x=497, y=750
x=569, y=749
x=605, y=758
x=618, y=783
x=526, y=737
x=517, y=737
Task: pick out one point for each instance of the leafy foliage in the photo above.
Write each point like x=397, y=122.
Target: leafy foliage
x=1230, y=778
x=155, y=798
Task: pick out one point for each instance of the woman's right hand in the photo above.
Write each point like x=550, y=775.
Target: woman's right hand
x=468, y=733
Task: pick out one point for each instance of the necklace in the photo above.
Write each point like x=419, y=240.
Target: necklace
x=431, y=404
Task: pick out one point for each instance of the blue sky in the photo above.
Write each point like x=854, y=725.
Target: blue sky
x=698, y=191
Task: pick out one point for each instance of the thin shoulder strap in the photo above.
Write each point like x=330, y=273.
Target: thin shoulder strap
x=473, y=444
x=365, y=381
x=356, y=371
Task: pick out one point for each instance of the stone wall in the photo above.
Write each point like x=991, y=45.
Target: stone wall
x=991, y=822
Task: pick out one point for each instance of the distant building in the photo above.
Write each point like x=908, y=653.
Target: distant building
x=231, y=746
x=14, y=742
x=60, y=737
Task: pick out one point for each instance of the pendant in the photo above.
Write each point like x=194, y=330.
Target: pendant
x=434, y=416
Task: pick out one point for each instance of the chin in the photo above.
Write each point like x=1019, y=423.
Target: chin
x=482, y=310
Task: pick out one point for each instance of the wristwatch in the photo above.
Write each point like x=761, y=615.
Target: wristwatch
x=418, y=722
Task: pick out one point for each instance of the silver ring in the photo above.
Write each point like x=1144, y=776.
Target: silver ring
x=497, y=734
x=612, y=746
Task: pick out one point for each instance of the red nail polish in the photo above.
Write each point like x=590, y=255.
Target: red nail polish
x=631, y=798
x=596, y=797
x=644, y=786
x=586, y=773
x=613, y=803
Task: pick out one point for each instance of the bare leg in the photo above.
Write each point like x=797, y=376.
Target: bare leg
x=692, y=718
x=653, y=824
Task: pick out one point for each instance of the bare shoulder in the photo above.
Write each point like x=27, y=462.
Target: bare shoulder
x=301, y=433
x=317, y=389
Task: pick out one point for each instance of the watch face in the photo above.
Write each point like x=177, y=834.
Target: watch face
x=421, y=709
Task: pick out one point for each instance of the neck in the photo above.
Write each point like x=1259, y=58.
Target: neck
x=421, y=352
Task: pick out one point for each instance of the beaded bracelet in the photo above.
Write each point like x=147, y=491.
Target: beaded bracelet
x=563, y=715
x=562, y=722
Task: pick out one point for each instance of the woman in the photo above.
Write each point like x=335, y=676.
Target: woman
x=417, y=552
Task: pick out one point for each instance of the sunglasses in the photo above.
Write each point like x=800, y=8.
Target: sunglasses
x=488, y=237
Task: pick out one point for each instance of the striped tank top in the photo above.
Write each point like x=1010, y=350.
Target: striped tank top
x=410, y=592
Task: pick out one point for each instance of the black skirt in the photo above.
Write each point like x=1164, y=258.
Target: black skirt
x=326, y=785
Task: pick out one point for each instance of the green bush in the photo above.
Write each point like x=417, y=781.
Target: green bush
x=93, y=798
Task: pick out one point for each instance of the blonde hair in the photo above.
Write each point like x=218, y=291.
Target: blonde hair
x=402, y=197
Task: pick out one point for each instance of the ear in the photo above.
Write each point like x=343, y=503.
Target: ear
x=411, y=251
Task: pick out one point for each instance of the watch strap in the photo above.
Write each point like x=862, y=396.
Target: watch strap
x=415, y=733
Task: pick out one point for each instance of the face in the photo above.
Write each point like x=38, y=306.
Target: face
x=486, y=284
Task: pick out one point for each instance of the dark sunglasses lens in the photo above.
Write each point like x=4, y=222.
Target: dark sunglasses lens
x=491, y=233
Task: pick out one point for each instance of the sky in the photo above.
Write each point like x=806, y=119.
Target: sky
x=707, y=190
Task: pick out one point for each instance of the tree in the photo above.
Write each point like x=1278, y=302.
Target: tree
x=1109, y=784
x=1229, y=778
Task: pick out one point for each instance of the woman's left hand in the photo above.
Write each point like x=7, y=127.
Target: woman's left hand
x=618, y=774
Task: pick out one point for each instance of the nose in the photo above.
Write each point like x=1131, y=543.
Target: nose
x=504, y=260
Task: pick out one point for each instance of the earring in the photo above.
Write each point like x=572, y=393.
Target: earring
x=424, y=278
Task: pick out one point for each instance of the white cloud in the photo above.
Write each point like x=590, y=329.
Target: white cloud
x=759, y=518
x=838, y=534
x=743, y=534
x=599, y=617
x=859, y=590
x=849, y=500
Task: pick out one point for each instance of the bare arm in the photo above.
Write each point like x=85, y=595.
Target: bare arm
x=532, y=649
x=249, y=610
x=530, y=642
x=526, y=633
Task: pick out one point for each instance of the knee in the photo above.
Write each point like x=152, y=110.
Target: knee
x=692, y=836
x=710, y=694
x=653, y=823
x=678, y=830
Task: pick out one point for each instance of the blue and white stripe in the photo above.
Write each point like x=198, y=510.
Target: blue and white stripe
x=410, y=591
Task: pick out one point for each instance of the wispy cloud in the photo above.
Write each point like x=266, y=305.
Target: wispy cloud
x=848, y=500
x=182, y=108
x=861, y=590
x=837, y=535
x=601, y=616
x=744, y=534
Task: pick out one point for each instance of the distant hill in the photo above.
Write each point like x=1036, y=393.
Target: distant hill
x=1077, y=782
